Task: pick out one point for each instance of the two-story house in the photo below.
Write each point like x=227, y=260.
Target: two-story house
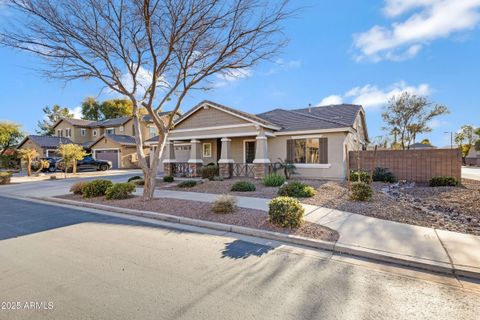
x=111, y=139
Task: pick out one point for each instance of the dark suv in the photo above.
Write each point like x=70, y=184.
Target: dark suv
x=53, y=164
x=87, y=163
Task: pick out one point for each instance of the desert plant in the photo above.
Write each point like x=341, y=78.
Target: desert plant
x=187, y=184
x=71, y=153
x=209, y=171
x=296, y=189
x=118, y=191
x=168, y=179
x=218, y=178
x=77, y=188
x=443, y=182
x=359, y=176
x=288, y=167
x=286, y=212
x=273, y=180
x=243, y=186
x=383, y=175
x=134, y=178
x=96, y=188
x=224, y=204
x=28, y=155
x=5, y=177
x=361, y=191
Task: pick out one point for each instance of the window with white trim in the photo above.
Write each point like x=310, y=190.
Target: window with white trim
x=308, y=151
x=152, y=131
x=83, y=132
x=68, y=132
x=94, y=133
x=122, y=128
x=110, y=131
x=59, y=133
x=207, y=150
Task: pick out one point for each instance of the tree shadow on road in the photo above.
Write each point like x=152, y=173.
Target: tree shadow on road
x=239, y=249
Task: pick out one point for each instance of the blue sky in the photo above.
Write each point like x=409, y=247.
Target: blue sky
x=340, y=51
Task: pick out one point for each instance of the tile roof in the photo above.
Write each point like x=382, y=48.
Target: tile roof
x=79, y=122
x=323, y=117
x=120, y=139
x=46, y=141
x=109, y=122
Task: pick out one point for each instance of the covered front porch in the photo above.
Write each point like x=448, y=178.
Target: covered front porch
x=236, y=156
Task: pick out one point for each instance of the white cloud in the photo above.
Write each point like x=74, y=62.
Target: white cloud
x=429, y=20
x=282, y=65
x=330, y=100
x=372, y=97
x=224, y=79
x=77, y=112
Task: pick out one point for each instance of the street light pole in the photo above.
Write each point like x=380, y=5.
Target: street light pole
x=451, y=138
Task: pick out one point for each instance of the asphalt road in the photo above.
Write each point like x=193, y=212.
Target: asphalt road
x=90, y=266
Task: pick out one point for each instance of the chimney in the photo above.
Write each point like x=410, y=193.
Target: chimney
x=310, y=107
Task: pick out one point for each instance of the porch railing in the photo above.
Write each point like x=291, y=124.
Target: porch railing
x=180, y=169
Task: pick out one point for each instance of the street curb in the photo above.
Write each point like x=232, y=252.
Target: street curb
x=335, y=247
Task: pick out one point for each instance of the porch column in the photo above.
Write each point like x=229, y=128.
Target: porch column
x=169, y=160
x=225, y=164
x=261, y=161
x=195, y=161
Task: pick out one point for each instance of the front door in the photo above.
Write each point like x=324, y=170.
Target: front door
x=249, y=151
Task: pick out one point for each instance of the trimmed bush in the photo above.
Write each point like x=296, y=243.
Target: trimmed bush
x=364, y=176
x=77, y=188
x=243, y=186
x=138, y=182
x=218, y=178
x=296, y=189
x=168, y=179
x=273, y=180
x=209, y=171
x=96, y=188
x=384, y=175
x=187, y=184
x=134, y=178
x=224, y=204
x=119, y=191
x=443, y=182
x=286, y=212
x=361, y=191
x=5, y=177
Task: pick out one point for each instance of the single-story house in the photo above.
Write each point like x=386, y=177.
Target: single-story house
x=473, y=157
x=46, y=146
x=418, y=145
x=119, y=149
x=315, y=139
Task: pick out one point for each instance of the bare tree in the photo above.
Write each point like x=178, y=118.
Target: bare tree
x=408, y=115
x=152, y=51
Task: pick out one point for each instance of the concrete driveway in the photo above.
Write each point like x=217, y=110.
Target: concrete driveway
x=471, y=173
x=91, y=266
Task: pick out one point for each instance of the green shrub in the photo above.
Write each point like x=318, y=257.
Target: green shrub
x=5, y=177
x=138, y=182
x=243, y=186
x=364, y=176
x=361, y=191
x=296, y=189
x=77, y=188
x=443, y=182
x=218, y=178
x=187, y=184
x=384, y=175
x=96, y=188
x=286, y=212
x=224, y=204
x=119, y=191
x=134, y=178
x=209, y=171
x=168, y=179
x=273, y=180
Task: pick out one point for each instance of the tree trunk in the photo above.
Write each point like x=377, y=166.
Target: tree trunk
x=29, y=167
x=151, y=173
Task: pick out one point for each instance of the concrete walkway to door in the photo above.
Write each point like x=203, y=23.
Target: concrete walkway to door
x=416, y=243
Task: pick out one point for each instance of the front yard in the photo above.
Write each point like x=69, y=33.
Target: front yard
x=448, y=208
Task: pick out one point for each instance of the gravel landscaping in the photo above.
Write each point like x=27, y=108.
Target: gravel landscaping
x=201, y=210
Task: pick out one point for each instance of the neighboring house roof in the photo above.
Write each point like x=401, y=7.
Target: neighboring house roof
x=77, y=122
x=419, y=145
x=46, y=141
x=121, y=139
x=241, y=114
x=160, y=114
x=110, y=122
x=152, y=139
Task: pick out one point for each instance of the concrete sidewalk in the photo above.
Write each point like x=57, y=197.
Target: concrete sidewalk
x=415, y=243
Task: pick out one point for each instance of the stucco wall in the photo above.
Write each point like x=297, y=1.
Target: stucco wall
x=208, y=118
x=29, y=144
x=63, y=126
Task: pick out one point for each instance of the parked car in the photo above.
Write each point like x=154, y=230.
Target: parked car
x=87, y=163
x=53, y=164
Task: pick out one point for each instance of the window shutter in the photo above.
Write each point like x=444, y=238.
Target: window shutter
x=290, y=150
x=323, y=147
